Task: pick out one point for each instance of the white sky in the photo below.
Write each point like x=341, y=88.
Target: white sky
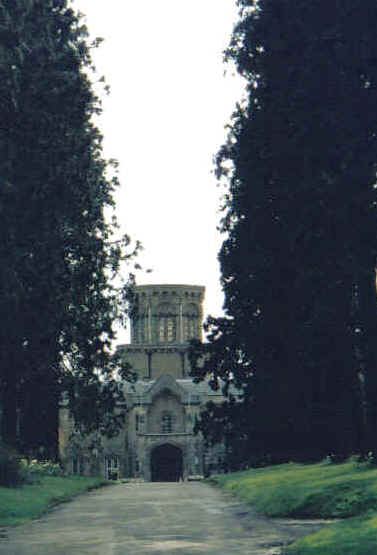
x=164, y=121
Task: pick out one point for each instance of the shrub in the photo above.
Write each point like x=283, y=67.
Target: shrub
x=11, y=473
x=35, y=469
x=336, y=458
x=45, y=468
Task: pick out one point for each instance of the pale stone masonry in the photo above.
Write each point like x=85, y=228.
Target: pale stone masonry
x=157, y=441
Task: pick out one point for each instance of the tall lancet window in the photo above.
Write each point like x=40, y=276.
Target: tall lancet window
x=190, y=321
x=167, y=323
x=167, y=423
x=141, y=329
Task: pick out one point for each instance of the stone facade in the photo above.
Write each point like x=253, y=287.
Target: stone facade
x=157, y=442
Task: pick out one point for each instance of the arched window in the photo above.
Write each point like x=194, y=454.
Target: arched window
x=190, y=321
x=167, y=323
x=167, y=423
x=140, y=329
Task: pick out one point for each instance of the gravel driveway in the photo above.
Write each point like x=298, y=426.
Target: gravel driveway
x=152, y=518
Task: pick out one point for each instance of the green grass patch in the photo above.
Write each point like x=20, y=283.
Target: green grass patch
x=322, y=490
x=20, y=504
x=352, y=536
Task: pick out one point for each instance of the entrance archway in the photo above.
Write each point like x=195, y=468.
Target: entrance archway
x=166, y=463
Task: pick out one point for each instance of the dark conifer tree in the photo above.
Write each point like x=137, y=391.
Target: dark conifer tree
x=57, y=250
x=300, y=229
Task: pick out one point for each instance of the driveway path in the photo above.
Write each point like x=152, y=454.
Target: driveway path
x=152, y=518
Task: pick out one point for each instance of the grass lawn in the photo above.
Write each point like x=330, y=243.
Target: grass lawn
x=323, y=490
x=30, y=501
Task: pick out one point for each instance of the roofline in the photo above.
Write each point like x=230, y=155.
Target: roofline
x=146, y=285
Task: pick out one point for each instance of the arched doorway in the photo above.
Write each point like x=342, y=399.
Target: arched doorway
x=166, y=463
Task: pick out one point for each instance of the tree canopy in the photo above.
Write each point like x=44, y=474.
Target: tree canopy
x=58, y=251
x=298, y=259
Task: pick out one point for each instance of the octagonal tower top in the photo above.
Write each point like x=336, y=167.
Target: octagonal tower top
x=167, y=314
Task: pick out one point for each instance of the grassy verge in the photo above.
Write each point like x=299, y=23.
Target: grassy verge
x=322, y=490
x=18, y=505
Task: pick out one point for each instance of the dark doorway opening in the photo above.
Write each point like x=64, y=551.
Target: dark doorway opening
x=166, y=463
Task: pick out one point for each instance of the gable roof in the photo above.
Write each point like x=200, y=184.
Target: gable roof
x=166, y=382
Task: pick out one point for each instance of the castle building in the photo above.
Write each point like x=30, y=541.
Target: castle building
x=157, y=442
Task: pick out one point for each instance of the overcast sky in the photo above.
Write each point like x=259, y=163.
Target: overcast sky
x=164, y=121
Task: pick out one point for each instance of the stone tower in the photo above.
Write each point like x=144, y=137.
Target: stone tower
x=165, y=402
x=164, y=319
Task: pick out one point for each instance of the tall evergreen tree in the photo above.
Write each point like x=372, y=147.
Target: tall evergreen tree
x=58, y=252
x=300, y=229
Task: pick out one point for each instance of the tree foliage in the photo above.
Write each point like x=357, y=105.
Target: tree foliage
x=298, y=260
x=58, y=251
